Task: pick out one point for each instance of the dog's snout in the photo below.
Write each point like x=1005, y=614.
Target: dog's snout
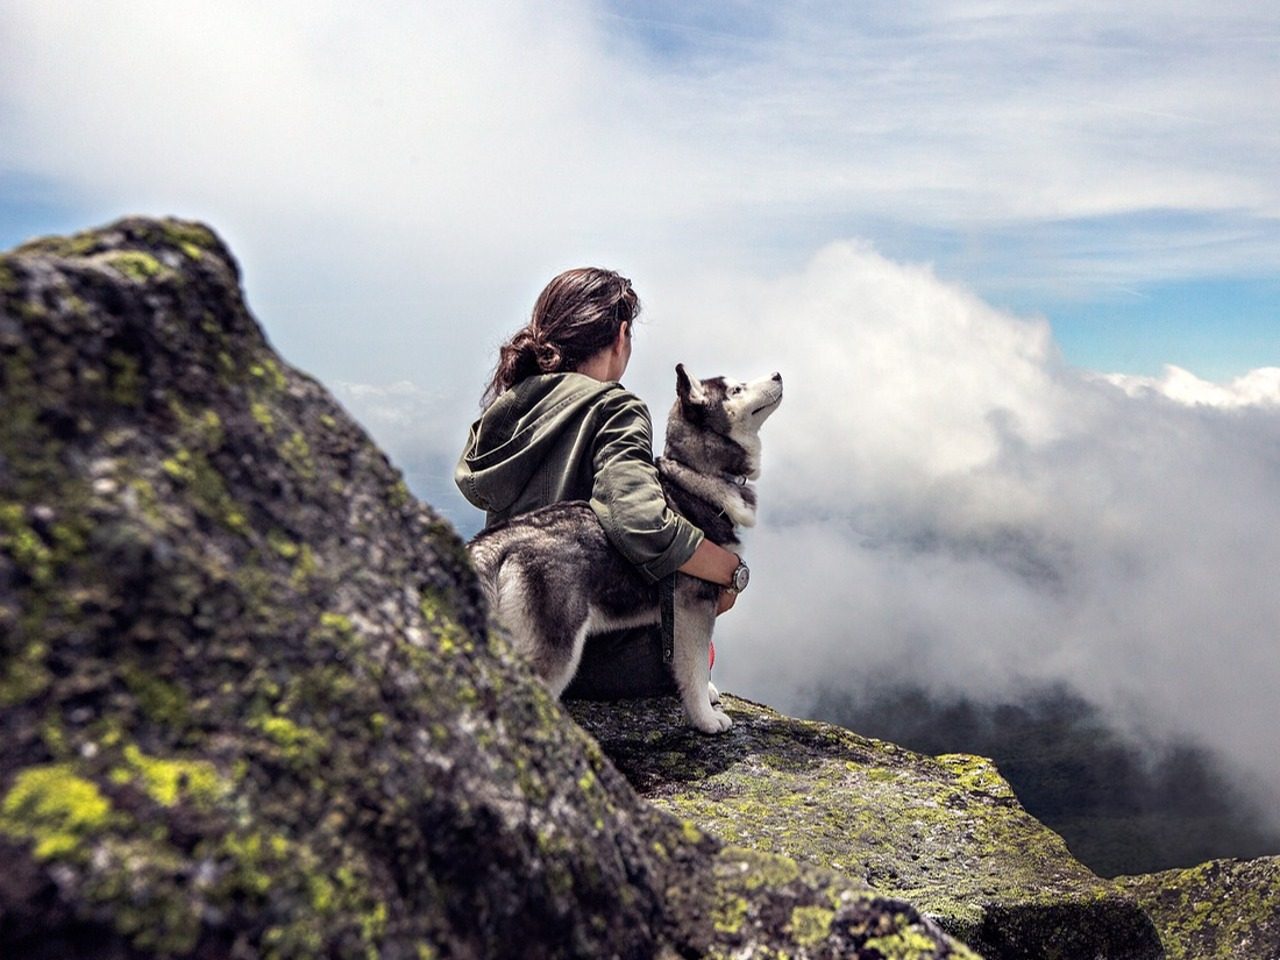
x=777, y=376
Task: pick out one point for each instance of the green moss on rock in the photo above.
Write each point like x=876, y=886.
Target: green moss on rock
x=1220, y=910
x=163, y=702
x=134, y=264
x=28, y=550
x=812, y=925
x=946, y=834
x=126, y=385
x=193, y=470
x=298, y=744
x=78, y=245
x=192, y=239
x=908, y=944
x=820, y=914
x=54, y=807
x=168, y=780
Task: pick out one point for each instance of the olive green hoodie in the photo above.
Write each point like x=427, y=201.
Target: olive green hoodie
x=567, y=436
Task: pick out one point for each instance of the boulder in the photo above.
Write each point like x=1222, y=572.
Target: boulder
x=945, y=833
x=249, y=701
x=1223, y=909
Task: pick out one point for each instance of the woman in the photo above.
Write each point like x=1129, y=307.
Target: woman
x=558, y=425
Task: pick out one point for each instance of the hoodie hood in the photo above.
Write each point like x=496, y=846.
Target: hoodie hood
x=514, y=436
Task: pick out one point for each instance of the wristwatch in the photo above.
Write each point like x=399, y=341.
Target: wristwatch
x=741, y=577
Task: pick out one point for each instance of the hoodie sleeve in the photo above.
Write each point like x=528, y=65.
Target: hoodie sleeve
x=627, y=495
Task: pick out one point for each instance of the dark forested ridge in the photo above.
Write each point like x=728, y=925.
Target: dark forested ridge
x=1123, y=807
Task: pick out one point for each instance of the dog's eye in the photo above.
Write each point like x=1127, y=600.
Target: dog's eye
x=734, y=391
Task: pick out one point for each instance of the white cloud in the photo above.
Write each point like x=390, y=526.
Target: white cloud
x=422, y=431
x=945, y=501
x=1259, y=387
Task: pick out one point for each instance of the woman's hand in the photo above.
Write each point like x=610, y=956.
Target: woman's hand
x=715, y=564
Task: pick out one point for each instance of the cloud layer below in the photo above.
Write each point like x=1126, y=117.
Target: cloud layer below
x=944, y=500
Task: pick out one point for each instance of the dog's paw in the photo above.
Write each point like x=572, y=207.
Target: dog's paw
x=713, y=721
x=712, y=692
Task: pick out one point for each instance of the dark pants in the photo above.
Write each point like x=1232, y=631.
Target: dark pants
x=620, y=665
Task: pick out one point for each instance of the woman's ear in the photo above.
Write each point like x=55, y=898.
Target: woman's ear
x=624, y=334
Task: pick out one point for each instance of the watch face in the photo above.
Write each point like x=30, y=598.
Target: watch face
x=740, y=577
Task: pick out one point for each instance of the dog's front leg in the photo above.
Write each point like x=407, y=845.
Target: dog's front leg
x=694, y=621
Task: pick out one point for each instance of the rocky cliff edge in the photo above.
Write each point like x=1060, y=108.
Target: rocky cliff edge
x=250, y=705
x=251, y=709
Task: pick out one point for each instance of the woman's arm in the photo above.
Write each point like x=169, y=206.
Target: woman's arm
x=711, y=562
x=627, y=498
x=627, y=494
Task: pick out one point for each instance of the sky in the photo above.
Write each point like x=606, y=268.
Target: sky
x=1018, y=263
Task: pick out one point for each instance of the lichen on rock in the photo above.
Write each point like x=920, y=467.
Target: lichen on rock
x=945, y=833
x=54, y=807
x=1220, y=910
x=251, y=704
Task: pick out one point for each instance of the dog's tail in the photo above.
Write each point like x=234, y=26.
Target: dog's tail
x=500, y=582
x=486, y=558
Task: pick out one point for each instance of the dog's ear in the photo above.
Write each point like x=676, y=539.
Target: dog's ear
x=689, y=389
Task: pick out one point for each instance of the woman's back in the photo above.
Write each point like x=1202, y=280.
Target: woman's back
x=558, y=426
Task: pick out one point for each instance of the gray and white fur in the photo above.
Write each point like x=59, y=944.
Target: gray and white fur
x=551, y=576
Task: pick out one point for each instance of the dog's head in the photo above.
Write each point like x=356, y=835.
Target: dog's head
x=731, y=408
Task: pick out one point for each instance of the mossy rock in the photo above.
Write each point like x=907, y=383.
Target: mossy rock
x=250, y=703
x=1220, y=910
x=946, y=834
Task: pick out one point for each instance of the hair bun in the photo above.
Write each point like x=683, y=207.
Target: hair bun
x=549, y=356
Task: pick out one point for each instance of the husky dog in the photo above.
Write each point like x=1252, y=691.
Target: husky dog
x=551, y=577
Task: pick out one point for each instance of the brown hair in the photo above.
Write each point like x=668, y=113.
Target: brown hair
x=577, y=315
